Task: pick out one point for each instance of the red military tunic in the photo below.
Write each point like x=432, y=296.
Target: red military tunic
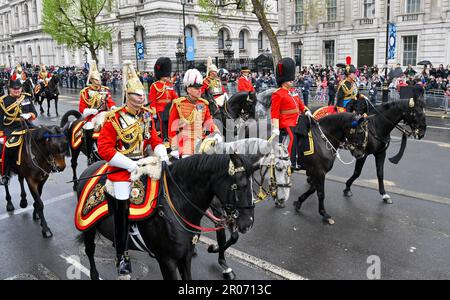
x=122, y=122
x=95, y=97
x=245, y=84
x=286, y=107
x=187, y=123
x=213, y=87
x=161, y=94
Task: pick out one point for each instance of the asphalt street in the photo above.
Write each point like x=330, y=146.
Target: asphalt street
x=410, y=238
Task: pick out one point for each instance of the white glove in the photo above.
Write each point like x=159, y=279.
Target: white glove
x=155, y=116
x=218, y=138
x=308, y=114
x=175, y=154
x=121, y=161
x=25, y=116
x=276, y=131
x=89, y=111
x=161, y=152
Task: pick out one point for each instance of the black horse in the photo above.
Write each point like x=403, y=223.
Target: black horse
x=43, y=152
x=74, y=152
x=328, y=134
x=51, y=92
x=384, y=119
x=240, y=108
x=192, y=183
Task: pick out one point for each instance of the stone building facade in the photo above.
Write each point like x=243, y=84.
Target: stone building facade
x=329, y=30
x=157, y=24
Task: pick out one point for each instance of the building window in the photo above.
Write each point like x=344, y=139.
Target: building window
x=298, y=54
x=221, y=39
x=242, y=39
x=369, y=9
x=331, y=10
x=260, y=41
x=298, y=12
x=26, y=16
x=412, y=6
x=409, y=50
x=329, y=52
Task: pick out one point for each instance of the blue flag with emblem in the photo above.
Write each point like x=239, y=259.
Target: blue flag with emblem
x=392, y=41
x=140, y=50
x=190, y=46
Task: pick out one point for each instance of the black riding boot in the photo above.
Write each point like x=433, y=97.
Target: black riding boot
x=89, y=145
x=121, y=231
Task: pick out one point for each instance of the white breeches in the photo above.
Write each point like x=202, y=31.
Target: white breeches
x=122, y=190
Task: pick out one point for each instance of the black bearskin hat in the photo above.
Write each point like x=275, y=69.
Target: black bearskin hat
x=163, y=67
x=285, y=70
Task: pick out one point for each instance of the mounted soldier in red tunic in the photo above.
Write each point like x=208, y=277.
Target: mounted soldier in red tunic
x=245, y=82
x=212, y=89
x=190, y=118
x=161, y=95
x=123, y=140
x=94, y=99
x=286, y=108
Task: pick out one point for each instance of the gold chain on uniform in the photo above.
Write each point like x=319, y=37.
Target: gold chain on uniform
x=94, y=101
x=134, y=132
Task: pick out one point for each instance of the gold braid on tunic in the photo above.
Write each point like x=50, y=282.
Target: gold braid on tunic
x=16, y=106
x=132, y=135
x=94, y=101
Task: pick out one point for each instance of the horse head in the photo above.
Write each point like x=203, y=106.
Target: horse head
x=414, y=116
x=54, y=145
x=237, y=195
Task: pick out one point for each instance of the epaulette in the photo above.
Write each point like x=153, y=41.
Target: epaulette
x=112, y=113
x=203, y=100
x=179, y=100
x=3, y=97
x=83, y=90
x=150, y=110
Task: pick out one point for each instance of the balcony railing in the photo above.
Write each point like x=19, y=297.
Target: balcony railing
x=366, y=21
x=296, y=28
x=410, y=17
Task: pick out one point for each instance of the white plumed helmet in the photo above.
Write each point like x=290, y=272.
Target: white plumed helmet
x=193, y=78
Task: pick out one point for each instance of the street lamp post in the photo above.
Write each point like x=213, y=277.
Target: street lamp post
x=183, y=3
x=180, y=54
x=385, y=84
x=135, y=42
x=227, y=52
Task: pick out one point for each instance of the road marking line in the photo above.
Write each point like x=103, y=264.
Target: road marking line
x=438, y=127
x=22, y=276
x=374, y=186
x=254, y=261
x=30, y=208
x=441, y=144
x=77, y=265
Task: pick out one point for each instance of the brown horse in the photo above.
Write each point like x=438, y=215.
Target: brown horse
x=43, y=152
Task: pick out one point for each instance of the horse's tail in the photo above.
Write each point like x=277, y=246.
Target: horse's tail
x=67, y=115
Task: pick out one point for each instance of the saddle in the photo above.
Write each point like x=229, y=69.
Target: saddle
x=327, y=110
x=304, y=134
x=94, y=200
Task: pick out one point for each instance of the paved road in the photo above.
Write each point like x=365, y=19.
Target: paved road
x=411, y=237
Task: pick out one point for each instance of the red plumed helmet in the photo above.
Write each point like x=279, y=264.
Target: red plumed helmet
x=348, y=60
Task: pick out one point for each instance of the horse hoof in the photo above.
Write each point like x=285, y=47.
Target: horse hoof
x=24, y=203
x=47, y=234
x=229, y=274
x=297, y=206
x=213, y=249
x=329, y=220
x=10, y=207
x=348, y=193
x=124, y=277
x=279, y=204
x=387, y=199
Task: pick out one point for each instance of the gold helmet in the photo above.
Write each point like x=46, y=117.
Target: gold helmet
x=131, y=82
x=19, y=69
x=93, y=72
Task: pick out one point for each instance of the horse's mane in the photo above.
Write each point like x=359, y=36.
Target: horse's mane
x=339, y=118
x=206, y=164
x=395, y=104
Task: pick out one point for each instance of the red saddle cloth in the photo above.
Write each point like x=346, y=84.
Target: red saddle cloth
x=92, y=204
x=327, y=110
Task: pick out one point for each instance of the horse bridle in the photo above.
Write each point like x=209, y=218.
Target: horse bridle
x=230, y=209
x=51, y=159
